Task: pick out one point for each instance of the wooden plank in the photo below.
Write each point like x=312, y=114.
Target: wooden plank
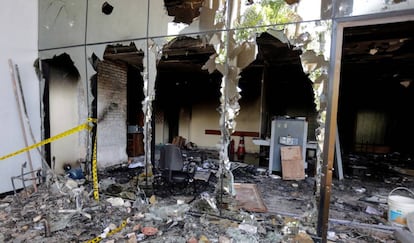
x=22, y=126
x=248, y=197
x=292, y=163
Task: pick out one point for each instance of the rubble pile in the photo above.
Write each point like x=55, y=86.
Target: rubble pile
x=70, y=214
x=131, y=208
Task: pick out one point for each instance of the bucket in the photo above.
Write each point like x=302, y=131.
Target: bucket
x=399, y=207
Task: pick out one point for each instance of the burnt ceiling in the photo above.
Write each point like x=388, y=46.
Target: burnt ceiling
x=372, y=55
x=127, y=54
x=376, y=59
x=184, y=11
x=185, y=54
x=384, y=51
x=273, y=52
x=180, y=78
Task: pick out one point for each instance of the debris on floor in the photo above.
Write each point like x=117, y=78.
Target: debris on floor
x=265, y=208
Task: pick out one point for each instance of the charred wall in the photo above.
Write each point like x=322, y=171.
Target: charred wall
x=112, y=112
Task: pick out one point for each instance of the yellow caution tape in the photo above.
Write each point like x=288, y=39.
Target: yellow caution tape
x=54, y=138
x=76, y=129
x=90, y=119
x=95, y=174
x=116, y=230
x=95, y=167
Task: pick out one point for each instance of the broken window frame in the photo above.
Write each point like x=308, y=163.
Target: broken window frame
x=332, y=104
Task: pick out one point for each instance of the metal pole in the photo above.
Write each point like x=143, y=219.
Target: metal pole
x=16, y=94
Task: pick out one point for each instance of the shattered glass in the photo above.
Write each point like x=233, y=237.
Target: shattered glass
x=314, y=41
x=235, y=48
x=161, y=22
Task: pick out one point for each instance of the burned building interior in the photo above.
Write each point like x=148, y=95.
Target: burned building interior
x=170, y=189
x=375, y=68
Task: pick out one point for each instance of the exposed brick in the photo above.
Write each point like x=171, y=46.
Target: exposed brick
x=112, y=89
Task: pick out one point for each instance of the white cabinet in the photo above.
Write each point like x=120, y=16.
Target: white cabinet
x=287, y=132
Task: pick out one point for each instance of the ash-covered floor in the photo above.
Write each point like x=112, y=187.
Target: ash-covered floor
x=64, y=209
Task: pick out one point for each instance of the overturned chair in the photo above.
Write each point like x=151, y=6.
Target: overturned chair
x=173, y=171
x=33, y=176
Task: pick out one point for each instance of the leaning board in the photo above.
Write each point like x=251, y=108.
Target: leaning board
x=292, y=163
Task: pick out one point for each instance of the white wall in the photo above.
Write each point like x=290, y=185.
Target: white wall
x=205, y=116
x=18, y=41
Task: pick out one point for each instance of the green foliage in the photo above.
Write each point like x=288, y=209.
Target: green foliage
x=259, y=16
x=251, y=17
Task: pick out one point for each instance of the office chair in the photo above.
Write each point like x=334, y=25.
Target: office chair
x=173, y=169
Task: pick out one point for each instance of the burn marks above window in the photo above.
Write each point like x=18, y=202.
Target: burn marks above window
x=184, y=11
x=128, y=54
x=63, y=67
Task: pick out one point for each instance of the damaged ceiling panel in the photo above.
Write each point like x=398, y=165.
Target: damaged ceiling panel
x=185, y=54
x=388, y=46
x=128, y=54
x=180, y=72
x=184, y=11
x=162, y=23
x=276, y=52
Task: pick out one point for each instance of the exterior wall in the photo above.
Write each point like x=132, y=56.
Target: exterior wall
x=57, y=32
x=112, y=113
x=18, y=42
x=117, y=25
